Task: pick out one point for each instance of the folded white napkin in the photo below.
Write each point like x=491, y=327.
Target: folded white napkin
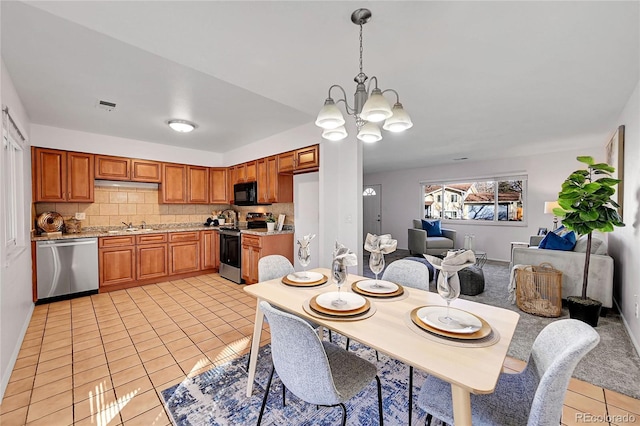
x=306, y=239
x=512, y=283
x=453, y=262
x=380, y=243
x=344, y=255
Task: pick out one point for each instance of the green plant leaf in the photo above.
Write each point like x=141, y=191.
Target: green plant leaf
x=565, y=204
x=603, y=166
x=585, y=159
x=608, y=227
x=589, y=216
x=608, y=181
x=559, y=212
x=592, y=187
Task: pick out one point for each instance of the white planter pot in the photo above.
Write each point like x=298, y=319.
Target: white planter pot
x=220, y=221
x=271, y=226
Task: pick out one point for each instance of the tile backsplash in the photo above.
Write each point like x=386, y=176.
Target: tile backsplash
x=115, y=205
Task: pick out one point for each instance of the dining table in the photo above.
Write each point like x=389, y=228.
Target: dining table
x=468, y=368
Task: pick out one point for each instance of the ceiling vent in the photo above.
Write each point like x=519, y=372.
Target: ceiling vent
x=106, y=105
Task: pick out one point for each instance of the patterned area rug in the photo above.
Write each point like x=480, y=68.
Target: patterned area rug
x=217, y=397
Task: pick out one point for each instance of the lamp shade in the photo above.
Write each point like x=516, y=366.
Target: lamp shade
x=376, y=108
x=336, y=134
x=329, y=116
x=399, y=121
x=549, y=206
x=370, y=133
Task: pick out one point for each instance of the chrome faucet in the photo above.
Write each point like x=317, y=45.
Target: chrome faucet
x=143, y=225
x=128, y=225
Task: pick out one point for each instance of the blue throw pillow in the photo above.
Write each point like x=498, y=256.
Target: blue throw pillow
x=553, y=241
x=432, y=227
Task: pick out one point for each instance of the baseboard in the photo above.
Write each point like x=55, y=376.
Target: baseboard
x=14, y=356
x=634, y=342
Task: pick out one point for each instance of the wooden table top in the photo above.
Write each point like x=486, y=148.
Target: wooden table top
x=476, y=369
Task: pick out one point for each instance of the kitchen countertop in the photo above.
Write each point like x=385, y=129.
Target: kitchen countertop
x=153, y=229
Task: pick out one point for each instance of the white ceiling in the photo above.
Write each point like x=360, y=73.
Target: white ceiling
x=480, y=79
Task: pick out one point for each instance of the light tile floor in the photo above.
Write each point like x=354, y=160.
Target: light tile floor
x=103, y=360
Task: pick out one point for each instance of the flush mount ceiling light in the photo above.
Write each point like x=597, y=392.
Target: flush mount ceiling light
x=369, y=107
x=182, y=126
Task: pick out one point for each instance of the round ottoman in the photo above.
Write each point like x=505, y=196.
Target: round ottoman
x=471, y=280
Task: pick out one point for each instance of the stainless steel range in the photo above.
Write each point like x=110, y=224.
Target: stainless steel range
x=231, y=250
x=230, y=254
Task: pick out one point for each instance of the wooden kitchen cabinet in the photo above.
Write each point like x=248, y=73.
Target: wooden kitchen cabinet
x=272, y=186
x=184, y=252
x=250, y=174
x=255, y=247
x=302, y=160
x=116, y=260
x=61, y=176
x=173, y=189
x=198, y=185
x=218, y=185
x=146, y=171
x=152, y=261
x=210, y=250
x=112, y=168
x=232, y=179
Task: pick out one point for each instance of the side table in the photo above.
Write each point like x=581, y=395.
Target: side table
x=516, y=244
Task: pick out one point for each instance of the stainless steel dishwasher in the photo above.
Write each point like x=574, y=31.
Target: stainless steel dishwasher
x=66, y=268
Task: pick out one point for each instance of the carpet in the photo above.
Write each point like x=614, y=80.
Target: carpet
x=613, y=364
x=217, y=397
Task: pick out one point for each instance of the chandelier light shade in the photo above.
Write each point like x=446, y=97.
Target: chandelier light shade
x=336, y=134
x=369, y=106
x=181, y=126
x=369, y=133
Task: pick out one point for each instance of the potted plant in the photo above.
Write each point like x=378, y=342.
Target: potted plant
x=271, y=223
x=586, y=206
x=221, y=219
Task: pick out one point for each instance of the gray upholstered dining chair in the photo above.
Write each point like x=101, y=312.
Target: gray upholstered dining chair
x=316, y=371
x=272, y=267
x=533, y=397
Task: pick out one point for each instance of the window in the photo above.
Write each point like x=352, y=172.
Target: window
x=368, y=192
x=492, y=200
x=13, y=191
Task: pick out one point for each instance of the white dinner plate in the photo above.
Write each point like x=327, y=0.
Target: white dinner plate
x=305, y=277
x=369, y=286
x=465, y=323
x=354, y=301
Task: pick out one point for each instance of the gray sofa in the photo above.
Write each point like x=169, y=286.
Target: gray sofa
x=571, y=263
x=421, y=243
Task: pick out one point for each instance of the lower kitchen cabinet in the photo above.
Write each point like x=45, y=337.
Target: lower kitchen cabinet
x=255, y=247
x=184, y=252
x=152, y=261
x=210, y=250
x=117, y=265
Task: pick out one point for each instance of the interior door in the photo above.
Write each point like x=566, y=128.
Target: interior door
x=371, y=210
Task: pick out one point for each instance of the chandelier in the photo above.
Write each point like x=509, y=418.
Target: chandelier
x=369, y=108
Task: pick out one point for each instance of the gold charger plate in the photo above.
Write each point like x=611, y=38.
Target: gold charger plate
x=50, y=221
x=326, y=311
x=358, y=317
x=356, y=289
x=484, y=331
x=321, y=281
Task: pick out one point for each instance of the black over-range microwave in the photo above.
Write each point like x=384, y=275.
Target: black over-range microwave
x=246, y=194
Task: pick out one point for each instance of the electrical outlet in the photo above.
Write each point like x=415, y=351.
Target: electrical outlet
x=81, y=215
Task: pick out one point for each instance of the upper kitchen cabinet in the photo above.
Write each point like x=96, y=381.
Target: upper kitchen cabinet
x=112, y=168
x=61, y=176
x=245, y=172
x=146, y=171
x=127, y=169
x=173, y=189
x=198, y=185
x=302, y=160
x=182, y=184
x=218, y=185
x=272, y=186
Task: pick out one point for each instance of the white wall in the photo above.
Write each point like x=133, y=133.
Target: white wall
x=73, y=140
x=401, y=196
x=16, y=303
x=624, y=243
x=307, y=215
